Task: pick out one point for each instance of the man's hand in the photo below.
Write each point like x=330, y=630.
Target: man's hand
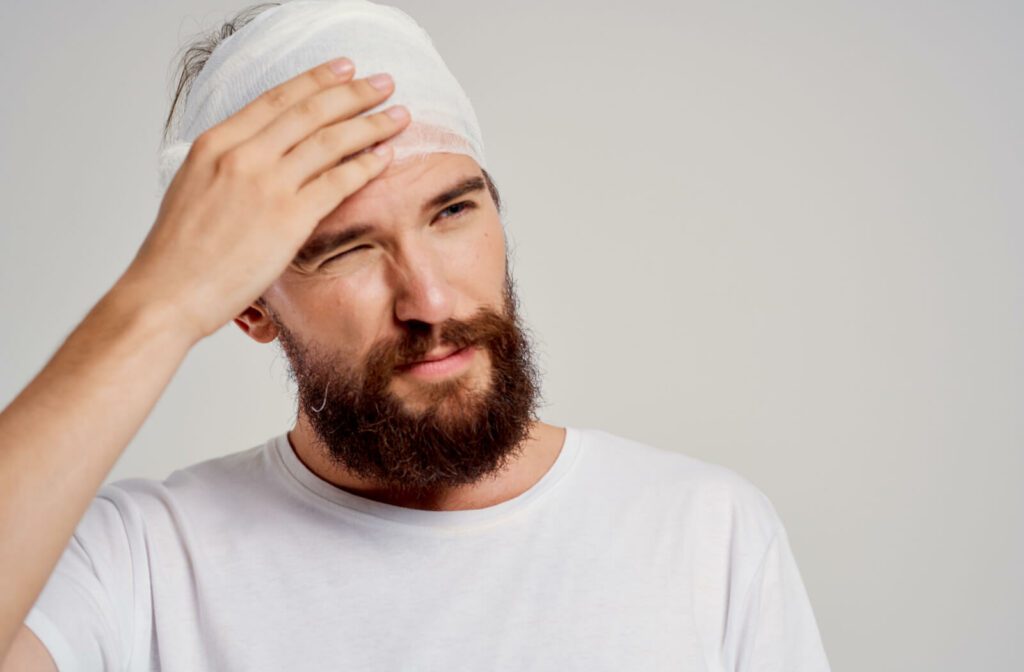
x=253, y=188
x=246, y=198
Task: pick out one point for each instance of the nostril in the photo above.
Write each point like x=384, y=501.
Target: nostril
x=418, y=327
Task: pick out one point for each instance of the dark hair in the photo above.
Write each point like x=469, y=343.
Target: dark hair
x=197, y=53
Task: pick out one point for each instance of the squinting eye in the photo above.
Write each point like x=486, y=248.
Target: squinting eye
x=345, y=253
x=458, y=208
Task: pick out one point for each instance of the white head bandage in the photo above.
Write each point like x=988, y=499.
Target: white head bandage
x=284, y=41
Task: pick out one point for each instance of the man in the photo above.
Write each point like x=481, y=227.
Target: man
x=418, y=515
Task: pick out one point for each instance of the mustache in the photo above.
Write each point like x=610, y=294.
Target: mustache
x=485, y=328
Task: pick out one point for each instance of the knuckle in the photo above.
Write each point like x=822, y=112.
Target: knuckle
x=353, y=171
x=367, y=90
x=209, y=142
x=382, y=122
x=204, y=145
x=310, y=107
x=327, y=137
x=367, y=128
x=341, y=179
x=371, y=161
x=365, y=166
x=323, y=76
x=233, y=163
x=276, y=99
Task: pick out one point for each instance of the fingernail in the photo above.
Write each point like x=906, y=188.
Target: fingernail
x=381, y=81
x=341, y=66
x=398, y=112
x=382, y=149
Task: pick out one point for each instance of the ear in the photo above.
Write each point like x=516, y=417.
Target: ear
x=255, y=322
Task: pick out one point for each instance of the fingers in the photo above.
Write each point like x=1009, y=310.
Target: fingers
x=304, y=129
x=320, y=109
x=322, y=194
x=331, y=144
x=296, y=135
x=272, y=103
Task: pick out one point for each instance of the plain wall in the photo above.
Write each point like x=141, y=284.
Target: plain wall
x=783, y=237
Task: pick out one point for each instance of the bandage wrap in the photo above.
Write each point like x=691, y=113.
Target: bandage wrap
x=285, y=41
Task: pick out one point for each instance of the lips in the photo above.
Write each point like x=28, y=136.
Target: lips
x=435, y=356
x=438, y=364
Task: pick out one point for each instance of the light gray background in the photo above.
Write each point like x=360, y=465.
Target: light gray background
x=782, y=237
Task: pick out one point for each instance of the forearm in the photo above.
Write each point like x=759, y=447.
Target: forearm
x=250, y=191
x=61, y=436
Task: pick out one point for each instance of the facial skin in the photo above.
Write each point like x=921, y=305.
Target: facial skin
x=414, y=272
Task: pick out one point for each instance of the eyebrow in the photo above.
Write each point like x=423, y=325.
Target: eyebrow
x=466, y=186
x=320, y=244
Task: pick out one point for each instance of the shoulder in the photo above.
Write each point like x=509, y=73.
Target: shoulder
x=222, y=483
x=706, y=495
x=657, y=466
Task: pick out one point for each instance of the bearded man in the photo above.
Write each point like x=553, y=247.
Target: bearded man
x=418, y=515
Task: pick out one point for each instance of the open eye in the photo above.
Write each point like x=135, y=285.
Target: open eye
x=456, y=209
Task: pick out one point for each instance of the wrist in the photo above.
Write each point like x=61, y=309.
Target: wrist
x=136, y=308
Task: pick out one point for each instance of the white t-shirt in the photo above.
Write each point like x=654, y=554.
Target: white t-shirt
x=621, y=557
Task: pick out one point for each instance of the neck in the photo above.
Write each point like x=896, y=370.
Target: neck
x=539, y=451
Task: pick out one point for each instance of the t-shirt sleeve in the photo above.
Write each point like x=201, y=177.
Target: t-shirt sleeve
x=85, y=613
x=776, y=630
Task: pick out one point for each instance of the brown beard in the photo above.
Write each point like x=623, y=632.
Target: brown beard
x=462, y=436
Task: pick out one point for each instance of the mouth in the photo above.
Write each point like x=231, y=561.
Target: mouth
x=438, y=364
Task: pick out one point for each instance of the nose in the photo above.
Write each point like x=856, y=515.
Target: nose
x=423, y=293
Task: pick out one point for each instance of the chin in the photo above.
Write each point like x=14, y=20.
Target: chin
x=453, y=398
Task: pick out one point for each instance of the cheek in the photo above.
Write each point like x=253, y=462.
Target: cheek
x=479, y=264
x=348, y=313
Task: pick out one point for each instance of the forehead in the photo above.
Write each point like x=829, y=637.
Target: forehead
x=403, y=188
